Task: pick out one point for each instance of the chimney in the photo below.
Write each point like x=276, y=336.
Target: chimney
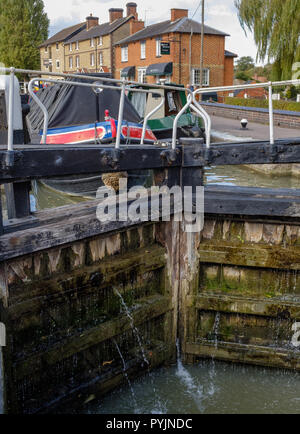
x=91, y=22
x=136, y=26
x=178, y=13
x=115, y=14
x=131, y=10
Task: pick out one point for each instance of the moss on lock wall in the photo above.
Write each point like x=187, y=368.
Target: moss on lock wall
x=249, y=281
x=248, y=296
x=65, y=317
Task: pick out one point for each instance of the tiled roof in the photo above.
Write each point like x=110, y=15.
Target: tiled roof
x=230, y=54
x=182, y=25
x=64, y=34
x=101, y=30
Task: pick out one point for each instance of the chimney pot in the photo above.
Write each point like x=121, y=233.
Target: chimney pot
x=115, y=14
x=132, y=10
x=91, y=22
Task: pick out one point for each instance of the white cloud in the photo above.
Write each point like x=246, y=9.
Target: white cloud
x=220, y=14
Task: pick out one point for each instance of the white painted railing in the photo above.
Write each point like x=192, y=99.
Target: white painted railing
x=122, y=85
x=126, y=85
x=268, y=85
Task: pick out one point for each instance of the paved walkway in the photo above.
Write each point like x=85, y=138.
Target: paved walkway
x=230, y=129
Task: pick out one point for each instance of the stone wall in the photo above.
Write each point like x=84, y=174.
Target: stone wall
x=260, y=115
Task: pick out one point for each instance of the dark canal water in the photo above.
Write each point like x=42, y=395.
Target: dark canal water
x=207, y=388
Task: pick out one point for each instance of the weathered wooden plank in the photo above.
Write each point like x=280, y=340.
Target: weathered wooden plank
x=271, y=308
x=38, y=162
x=261, y=256
x=252, y=201
x=66, y=230
x=252, y=354
x=143, y=260
x=51, y=215
x=219, y=199
x=17, y=199
x=284, y=151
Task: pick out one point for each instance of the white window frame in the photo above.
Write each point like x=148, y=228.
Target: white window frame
x=77, y=60
x=57, y=64
x=143, y=49
x=206, y=77
x=92, y=42
x=158, y=47
x=100, y=41
x=92, y=59
x=124, y=53
x=142, y=78
x=77, y=45
x=101, y=62
x=70, y=47
x=71, y=62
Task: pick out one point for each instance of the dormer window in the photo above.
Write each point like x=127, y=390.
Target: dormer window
x=57, y=46
x=46, y=49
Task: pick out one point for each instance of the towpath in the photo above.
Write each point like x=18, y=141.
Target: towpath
x=228, y=129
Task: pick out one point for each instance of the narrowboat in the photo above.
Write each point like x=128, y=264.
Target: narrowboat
x=81, y=115
x=161, y=123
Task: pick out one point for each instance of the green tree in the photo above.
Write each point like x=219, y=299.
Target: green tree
x=243, y=75
x=276, y=28
x=23, y=27
x=244, y=63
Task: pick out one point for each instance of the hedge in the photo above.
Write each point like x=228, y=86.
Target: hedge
x=263, y=103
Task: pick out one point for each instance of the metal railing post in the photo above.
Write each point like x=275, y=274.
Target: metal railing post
x=182, y=111
x=120, y=117
x=205, y=116
x=149, y=115
x=42, y=107
x=271, y=115
x=10, y=133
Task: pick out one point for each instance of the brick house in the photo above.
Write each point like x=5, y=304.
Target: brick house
x=91, y=48
x=257, y=93
x=171, y=50
x=52, y=51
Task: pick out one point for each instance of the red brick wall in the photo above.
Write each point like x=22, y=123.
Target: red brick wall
x=229, y=71
x=214, y=59
x=136, y=26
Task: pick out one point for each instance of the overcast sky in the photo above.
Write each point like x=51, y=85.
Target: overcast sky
x=220, y=14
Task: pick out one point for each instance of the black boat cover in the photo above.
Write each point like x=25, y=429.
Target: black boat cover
x=75, y=105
